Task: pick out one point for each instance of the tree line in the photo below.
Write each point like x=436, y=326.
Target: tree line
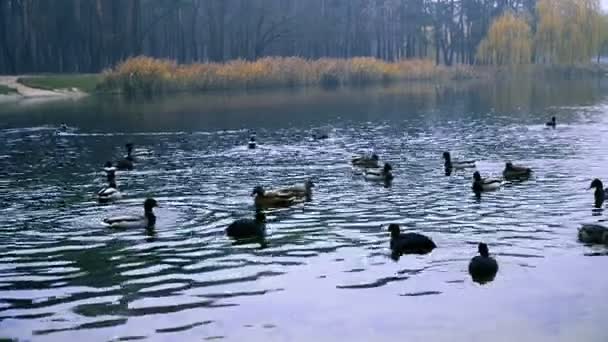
x=91, y=35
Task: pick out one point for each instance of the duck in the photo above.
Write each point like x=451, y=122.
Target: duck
x=516, y=172
x=600, y=192
x=366, y=161
x=109, y=193
x=127, y=162
x=252, y=144
x=551, y=123
x=483, y=268
x=148, y=220
x=303, y=191
x=320, y=136
x=480, y=185
x=267, y=199
x=455, y=164
x=409, y=243
x=383, y=174
x=248, y=228
x=593, y=234
x=62, y=130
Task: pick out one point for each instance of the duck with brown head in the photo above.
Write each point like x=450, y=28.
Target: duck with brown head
x=265, y=199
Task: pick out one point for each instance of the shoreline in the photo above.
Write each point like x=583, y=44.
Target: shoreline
x=23, y=92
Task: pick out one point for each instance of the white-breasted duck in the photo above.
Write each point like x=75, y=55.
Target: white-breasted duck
x=450, y=163
x=384, y=174
x=147, y=220
x=109, y=193
x=482, y=185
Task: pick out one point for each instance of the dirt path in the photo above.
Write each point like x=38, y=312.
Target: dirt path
x=25, y=91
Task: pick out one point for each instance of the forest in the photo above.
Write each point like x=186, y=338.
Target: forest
x=93, y=35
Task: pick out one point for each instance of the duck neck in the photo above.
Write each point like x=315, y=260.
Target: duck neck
x=149, y=214
x=599, y=197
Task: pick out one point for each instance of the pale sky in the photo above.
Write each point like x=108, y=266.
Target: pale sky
x=605, y=4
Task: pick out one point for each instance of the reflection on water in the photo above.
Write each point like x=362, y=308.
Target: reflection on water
x=62, y=274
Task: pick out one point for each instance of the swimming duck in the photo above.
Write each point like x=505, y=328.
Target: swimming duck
x=480, y=185
x=516, y=172
x=455, y=164
x=593, y=233
x=267, y=199
x=366, y=162
x=383, y=174
x=409, y=243
x=320, y=136
x=483, y=268
x=148, y=220
x=109, y=193
x=62, y=130
x=252, y=144
x=298, y=191
x=600, y=192
x=551, y=123
x=248, y=228
x=127, y=162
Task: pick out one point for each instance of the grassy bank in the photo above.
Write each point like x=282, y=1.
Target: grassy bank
x=83, y=82
x=4, y=90
x=148, y=76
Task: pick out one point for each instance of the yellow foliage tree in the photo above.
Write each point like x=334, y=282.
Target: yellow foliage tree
x=569, y=31
x=509, y=41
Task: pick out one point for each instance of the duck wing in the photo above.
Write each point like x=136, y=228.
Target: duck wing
x=107, y=192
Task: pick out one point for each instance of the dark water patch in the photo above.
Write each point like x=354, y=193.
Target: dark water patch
x=421, y=294
x=183, y=328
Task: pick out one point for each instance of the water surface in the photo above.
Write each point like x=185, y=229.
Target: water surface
x=326, y=271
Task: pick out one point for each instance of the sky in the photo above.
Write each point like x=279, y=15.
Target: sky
x=605, y=4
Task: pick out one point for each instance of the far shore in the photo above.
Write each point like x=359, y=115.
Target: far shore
x=143, y=76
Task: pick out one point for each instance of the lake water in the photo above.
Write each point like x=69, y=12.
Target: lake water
x=326, y=272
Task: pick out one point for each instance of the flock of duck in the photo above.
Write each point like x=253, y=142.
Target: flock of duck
x=482, y=267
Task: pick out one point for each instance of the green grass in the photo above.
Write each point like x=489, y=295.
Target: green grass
x=83, y=82
x=4, y=90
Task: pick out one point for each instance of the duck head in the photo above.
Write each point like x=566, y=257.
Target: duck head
x=447, y=156
x=150, y=204
x=597, y=184
x=107, y=165
x=394, y=229
x=483, y=250
x=509, y=165
x=258, y=191
x=553, y=120
x=477, y=176
x=375, y=157
x=129, y=147
x=387, y=168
